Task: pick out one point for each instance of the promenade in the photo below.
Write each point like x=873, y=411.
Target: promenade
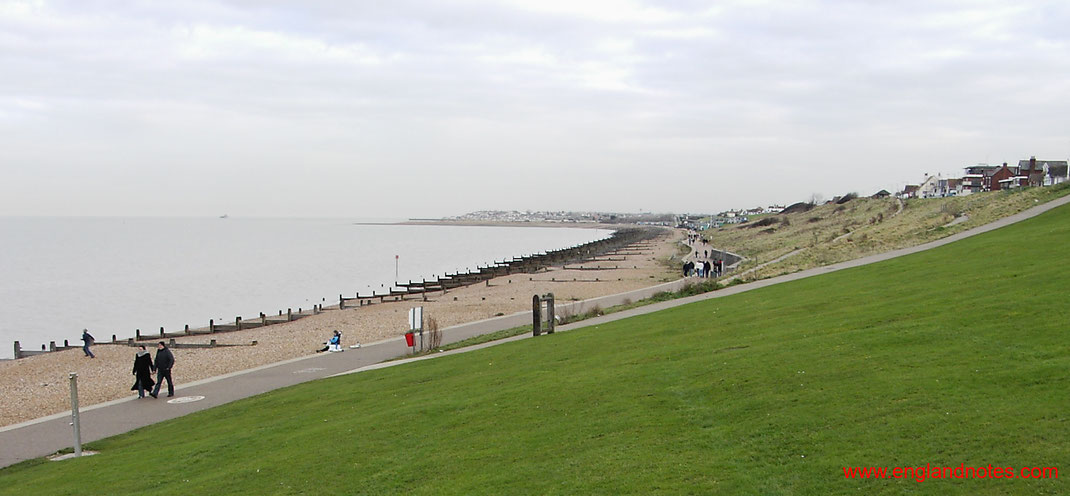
x=47, y=435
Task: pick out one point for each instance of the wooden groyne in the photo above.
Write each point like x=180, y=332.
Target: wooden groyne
x=619, y=243
x=631, y=240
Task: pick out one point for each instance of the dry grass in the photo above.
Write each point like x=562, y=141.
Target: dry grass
x=834, y=233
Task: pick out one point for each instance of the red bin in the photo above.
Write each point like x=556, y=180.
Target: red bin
x=410, y=339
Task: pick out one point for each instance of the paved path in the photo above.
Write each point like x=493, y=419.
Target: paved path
x=44, y=436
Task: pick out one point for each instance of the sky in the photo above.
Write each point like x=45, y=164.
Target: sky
x=428, y=109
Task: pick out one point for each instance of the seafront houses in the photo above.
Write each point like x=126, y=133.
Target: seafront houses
x=939, y=187
x=1042, y=172
x=909, y=191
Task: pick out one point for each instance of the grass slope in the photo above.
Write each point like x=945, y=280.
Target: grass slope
x=955, y=355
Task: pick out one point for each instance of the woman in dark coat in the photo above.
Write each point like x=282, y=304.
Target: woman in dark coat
x=143, y=372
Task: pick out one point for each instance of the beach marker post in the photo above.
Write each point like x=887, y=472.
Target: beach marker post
x=416, y=324
x=75, y=421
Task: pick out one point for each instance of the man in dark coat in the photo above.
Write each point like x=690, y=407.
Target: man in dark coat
x=164, y=361
x=707, y=268
x=88, y=338
x=143, y=372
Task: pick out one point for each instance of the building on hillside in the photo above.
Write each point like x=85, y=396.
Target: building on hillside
x=1003, y=178
x=909, y=191
x=938, y=187
x=1043, y=172
x=881, y=194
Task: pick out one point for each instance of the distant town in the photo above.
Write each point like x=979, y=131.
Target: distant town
x=977, y=178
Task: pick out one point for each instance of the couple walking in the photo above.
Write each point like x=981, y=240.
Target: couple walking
x=144, y=367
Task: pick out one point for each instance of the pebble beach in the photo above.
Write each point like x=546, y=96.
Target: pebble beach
x=38, y=386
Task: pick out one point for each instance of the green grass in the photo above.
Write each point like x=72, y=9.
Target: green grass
x=955, y=355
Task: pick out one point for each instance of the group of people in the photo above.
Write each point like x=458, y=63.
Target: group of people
x=703, y=268
x=144, y=367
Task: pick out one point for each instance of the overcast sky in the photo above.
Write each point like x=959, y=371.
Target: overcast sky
x=401, y=108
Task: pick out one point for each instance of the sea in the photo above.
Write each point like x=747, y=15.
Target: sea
x=115, y=275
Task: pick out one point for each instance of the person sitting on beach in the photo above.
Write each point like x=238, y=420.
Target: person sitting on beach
x=335, y=344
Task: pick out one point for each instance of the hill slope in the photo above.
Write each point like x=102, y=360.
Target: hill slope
x=953, y=356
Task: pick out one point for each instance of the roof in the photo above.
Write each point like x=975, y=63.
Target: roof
x=1023, y=165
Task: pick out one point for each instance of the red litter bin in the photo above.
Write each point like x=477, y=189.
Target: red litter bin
x=410, y=339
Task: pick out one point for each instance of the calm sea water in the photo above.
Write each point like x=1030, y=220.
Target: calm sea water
x=114, y=275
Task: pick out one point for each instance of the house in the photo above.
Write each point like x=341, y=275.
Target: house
x=1043, y=172
x=1003, y=178
x=881, y=194
x=909, y=191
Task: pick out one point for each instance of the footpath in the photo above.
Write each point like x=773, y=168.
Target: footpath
x=44, y=436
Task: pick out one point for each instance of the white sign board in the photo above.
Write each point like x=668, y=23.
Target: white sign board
x=416, y=319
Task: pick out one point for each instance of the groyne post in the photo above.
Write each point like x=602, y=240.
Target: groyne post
x=211, y=325
x=51, y=346
x=161, y=332
x=341, y=303
x=289, y=314
x=237, y=323
x=18, y=350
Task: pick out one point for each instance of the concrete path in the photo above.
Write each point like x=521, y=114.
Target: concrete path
x=47, y=435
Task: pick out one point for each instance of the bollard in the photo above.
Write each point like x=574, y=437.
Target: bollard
x=18, y=350
x=66, y=343
x=113, y=339
x=137, y=334
x=211, y=325
x=161, y=332
x=187, y=329
x=75, y=421
x=237, y=323
x=51, y=346
x=289, y=314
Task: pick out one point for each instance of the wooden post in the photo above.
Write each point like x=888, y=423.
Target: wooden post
x=536, y=315
x=161, y=332
x=550, y=313
x=237, y=323
x=211, y=343
x=341, y=303
x=113, y=338
x=51, y=346
x=289, y=315
x=18, y=350
x=211, y=325
x=187, y=329
x=66, y=343
x=137, y=334
x=263, y=318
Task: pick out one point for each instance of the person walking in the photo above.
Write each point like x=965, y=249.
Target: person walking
x=143, y=370
x=88, y=340
x=707, y=268
x=164, y=361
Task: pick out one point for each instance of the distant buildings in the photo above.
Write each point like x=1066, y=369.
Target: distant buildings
x=985, y=177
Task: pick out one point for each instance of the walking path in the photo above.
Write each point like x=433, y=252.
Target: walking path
x=47, y=435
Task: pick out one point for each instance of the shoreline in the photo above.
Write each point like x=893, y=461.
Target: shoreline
x=490, y=223
x=35, y=386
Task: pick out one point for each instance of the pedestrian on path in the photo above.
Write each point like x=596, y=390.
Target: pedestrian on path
x=164, y=361
x=88, y=340
x=143, y=370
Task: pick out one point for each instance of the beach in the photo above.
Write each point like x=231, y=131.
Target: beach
x=38, y=386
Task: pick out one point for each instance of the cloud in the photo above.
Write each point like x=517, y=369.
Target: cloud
x=341, y=98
